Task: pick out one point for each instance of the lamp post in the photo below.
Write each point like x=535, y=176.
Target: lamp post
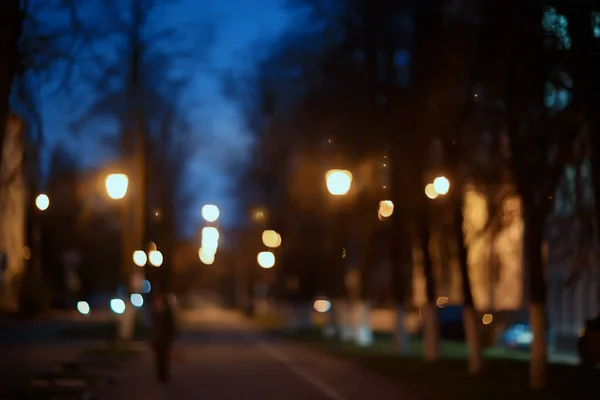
x=117, y=186
x=338, y=183
x=42, y=202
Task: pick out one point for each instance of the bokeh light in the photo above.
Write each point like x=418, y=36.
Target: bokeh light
x=322, y=306
x=140, y=258
x=430, y=191
x=136, y=299
x=210, y=212
x=266, y=259
x=441, y=185
x=83, y=307
x=156, y=258
x=338, y=181
x=117, y=306
x=42, y=202
x=116, y=186
x=271, y=239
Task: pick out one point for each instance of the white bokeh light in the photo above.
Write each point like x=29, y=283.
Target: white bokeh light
x=83, y=307
x=210, y=212
x=117, y=306
x=156, y=258
x=136, y=299
x=266, y=259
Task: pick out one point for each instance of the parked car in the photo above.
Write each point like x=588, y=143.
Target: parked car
x=517, y=336
x=588, y=344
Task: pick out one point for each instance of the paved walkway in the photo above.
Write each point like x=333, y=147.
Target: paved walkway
x=225, y=358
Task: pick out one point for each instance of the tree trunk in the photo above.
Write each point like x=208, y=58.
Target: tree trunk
x=471, y=323
x=430, y=310
x=11, y=23
x=12, y=215
x=363, y=334
x=401, y=265
x=533, y=240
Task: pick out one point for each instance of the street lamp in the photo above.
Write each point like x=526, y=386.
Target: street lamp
x=42, y=202
x=117, y=306
x=210, y=213
x=386, y=208
x=156, y=258
x=116, y=186
x=83, y=307
x=210, y=233
x=206, y=256
x=139, y=258
x=441, y=185
x=338, y=181
x=271, y=239
x=266, y=259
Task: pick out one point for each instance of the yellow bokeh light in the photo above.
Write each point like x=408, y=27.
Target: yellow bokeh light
x=430, y=191
x=338, y=181
x=207, y=257
x=386, y=208
x=322, y=306
x=487, y=319
x=271, y=239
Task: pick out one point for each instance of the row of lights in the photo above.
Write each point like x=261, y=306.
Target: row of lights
x=140, y=258
x=210, y=235
x=272, y=240
x=439, y=187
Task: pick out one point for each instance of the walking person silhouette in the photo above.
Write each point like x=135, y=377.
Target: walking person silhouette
x=163, y=331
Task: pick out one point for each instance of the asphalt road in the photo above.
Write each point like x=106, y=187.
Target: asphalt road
x=223, y=357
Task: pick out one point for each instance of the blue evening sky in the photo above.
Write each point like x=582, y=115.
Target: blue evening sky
x=240, y=25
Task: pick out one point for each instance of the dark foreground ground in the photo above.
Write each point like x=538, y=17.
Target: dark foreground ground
x=222, y=355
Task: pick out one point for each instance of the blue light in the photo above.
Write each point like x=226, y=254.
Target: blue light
x=146, y=286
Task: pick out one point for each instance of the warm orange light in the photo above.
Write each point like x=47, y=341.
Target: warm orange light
x=338, y=181
x=430, y=191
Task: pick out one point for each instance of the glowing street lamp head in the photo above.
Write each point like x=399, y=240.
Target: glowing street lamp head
x=207, y=257
x=210, y=213
x=116, y=186
x=42, y=202
x=266, y=259
x=441, y=185
x=139, y=258
x=338, y=181
x=156, y=258
x=210, y=233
